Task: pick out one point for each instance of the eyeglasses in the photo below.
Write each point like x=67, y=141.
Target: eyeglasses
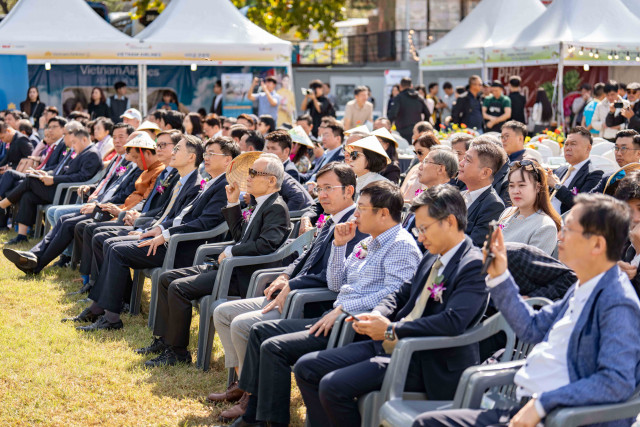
x=253, y=173
x=327, y=189
x=418, y=152
x=353, y=155
x=209, y=154
x=175, y=149
x=564, y=229
x=361, y=208
x=429, y=161
x=418, y=231
x=623, y=150
x=164, y=145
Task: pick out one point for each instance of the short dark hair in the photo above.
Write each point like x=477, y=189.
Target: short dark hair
x=431, y=85
x=106, y=123
x=248, y=117
x=212, y=121
x=611, y=86
x=127, y=126
x=423, y=126
x=344, y=172
x=515, y=81
x=227, y=145
x=405, y=82
x=315, y=84
x=218, y=83
x=461, y=137
x=119, y=85
x=517, y=127
x=586, y=86
x=443, y=200
x=174, y=119
x=427, y=140
x=460, y=90
x=306, y=118
x=490, y=154
x=607, y=217
x=175, y=135
x=598, y=89
x=194, y=145
x=629, y=187
x=238, y=131
x=384, y=194
x=626, y=133
x=255, y=140
x=622, y=86
x=25, y=127
x=375, y=162
x=336, y=127
x=360, y=89
x=280, y=137
x=160, y=115
x=270, y=79
x=58, y=119
x=582, y=131
x=268, y=120
x=447, y=85
x=51, y=109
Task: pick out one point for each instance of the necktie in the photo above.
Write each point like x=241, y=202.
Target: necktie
x=63, y=163
x=103, y=183
x=48, y=156
x=317, y=245
x=174, y=196
x=420, y=305
x=564, y=179
x=154, y=192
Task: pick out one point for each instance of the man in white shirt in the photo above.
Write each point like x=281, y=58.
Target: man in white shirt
x=606, y=106
x=358, y=111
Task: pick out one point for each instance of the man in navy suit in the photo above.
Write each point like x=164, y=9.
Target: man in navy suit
x=445, y=297
x=477, y=169
x=332, y=134
x=587, y=345
x=579, y=177
x=233, y=320
x=279, y=143
x=627, y=150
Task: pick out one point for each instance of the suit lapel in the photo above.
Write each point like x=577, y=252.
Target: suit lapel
x=328, y=240
x=582, y=172
x=267, y=203
x=476, y=203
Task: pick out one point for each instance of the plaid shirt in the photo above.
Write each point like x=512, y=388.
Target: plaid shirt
x=391, y=259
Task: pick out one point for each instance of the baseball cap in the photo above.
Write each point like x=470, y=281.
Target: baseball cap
x=132, y=113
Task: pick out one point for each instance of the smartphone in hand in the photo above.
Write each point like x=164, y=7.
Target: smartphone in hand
x=493, y=225
x=355, y=318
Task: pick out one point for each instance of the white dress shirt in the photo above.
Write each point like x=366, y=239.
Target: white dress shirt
x=338, y=217
x=471, y=196
x=554, y=201
x=546, y=366
x=259, y=202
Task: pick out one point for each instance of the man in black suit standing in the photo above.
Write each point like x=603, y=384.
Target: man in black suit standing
x=579, y=177
x=258, y=231
x=332, y=134
x=477, y=169
x=216, y=104
x=445, y=297
x=336, y=191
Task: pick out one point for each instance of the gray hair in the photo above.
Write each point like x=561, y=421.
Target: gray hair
x=77, y=129
x=274, y=167
x=447, y=158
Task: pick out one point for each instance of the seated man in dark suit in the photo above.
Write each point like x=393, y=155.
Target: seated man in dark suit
x=513, y=134
x=445, y=297
x=477, y=168
x=377, y=267
x=587, y=345
x=627, y=151
x=332, y=134
x=337, y=183
x=629, y=191
x=19, y=147
x=279, y=143
x=259, y=231
x=40, y=189
x=186, y=215
x=579, y=177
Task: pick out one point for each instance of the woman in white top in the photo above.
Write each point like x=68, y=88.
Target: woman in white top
x=366, y=159
x=421, y=146
x=531, y=220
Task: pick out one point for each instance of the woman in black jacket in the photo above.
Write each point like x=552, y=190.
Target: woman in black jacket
x=32, y=106
x=98, y=106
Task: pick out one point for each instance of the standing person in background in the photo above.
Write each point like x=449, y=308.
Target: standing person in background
x=468, y=108
x=358, y=111
x=98, y=106
x=317, y=105
x=590, y=109
x=448, y=100
x=407, y=109
x=579, y=104
x=630, y=115
x=268, y=99
x=216, y=104
x=287, y=105
x=433, y=103
x=326, y=91
x=192, y=124
x=518, y=100
x=118, y=103
x=496, y=108
x=32, y=106
x=542, y=112
x=395, y=90
x=608, y=105
x=168, y=102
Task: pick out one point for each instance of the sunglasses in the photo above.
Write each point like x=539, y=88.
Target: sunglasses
x=418, y=152
x=253, y=173
x=528, y=165
x=353, y=155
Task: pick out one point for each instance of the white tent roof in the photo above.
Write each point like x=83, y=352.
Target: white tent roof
x=189, y=31
x=63, y=31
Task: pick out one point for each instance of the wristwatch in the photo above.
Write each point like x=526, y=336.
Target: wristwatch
x=389, y=334
x=557, y=187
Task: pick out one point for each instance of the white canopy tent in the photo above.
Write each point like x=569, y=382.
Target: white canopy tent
x=490, y=23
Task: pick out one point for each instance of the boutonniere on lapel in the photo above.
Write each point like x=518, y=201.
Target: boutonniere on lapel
x=360, y=251
x=322, y=220
x=418, y=192
x=121, y=170
x=438, y=288
x=574, y=191
x=7, y=145
x=203, y=183
x=246, y=213
x=64, y=153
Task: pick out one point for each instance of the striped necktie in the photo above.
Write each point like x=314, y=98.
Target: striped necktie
x=317, y=245
x=114, y=167
x=174, y=196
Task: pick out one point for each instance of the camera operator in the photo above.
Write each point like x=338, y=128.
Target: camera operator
x=630, y=115
x=317, y=104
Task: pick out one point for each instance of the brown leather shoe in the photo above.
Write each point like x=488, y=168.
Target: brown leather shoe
x=231, y=394
x=237, y=410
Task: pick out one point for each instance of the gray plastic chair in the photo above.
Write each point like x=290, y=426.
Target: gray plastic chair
x=220, y=292
x=401, y=407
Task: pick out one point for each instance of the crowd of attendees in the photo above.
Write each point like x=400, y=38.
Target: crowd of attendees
x=399, y=248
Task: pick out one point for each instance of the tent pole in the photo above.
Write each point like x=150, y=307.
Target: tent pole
x=485, y=71
x=560, y=88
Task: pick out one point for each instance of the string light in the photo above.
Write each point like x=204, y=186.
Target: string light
x=616, y=55
x=628, y=57
x=580, y=52
x=586, y=67
x=591, y=54
x=597, y=55
x=610, y=56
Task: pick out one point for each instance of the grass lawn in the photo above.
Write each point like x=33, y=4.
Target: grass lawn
x=53, y=375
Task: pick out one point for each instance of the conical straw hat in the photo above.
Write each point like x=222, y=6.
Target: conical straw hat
x=370, y=143
x=626, y=168
x=358, y=129
x=300, y=136
x=238, y=169
x=385, y=134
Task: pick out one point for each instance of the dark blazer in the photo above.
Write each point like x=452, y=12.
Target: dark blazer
x=585, y=180
x=501, y=184
x=316, y=276
x=158, y=201
x=294, y=194
x=628, y=253
x=56, y=157
x=217, y=110
x=463, y=303
x=602, y=184
x=633, y=123
x=392, y=173
x=86, y=164
x=19, y=148
x=126, y=185
x=290, y=168
x=266, y=234
x=36, y=113
x=337, y=156
x=482, y=211
x=113, y=178
x=462, y=109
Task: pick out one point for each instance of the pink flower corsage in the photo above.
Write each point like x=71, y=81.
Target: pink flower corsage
x=8, y=144
x=121, y=170
x=160, y=189
x=501, y=226
x=574, y=191
x=322, y=219
x=418, y=192
x=203, y=183
x=246, y=213
x=437, y=289
x=360, y=251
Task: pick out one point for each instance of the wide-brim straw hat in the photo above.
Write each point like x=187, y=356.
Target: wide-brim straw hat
x=370, y=143
x=142, y=140
x=300, y=136
x=358, y=129
x=238, y=170
x=385, y=134
x=148, y=125
x=626, y=168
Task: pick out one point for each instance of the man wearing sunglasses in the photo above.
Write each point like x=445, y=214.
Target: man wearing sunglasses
x=629, y=115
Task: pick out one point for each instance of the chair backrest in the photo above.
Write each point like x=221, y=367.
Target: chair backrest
x=610, y=155
x=554, y=146
x=533, y=154
x=601, y=148
x=604, y=164
x=544, y=151
x=598, y=140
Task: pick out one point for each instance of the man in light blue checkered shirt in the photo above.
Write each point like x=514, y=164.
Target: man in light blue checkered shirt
x=378, y=266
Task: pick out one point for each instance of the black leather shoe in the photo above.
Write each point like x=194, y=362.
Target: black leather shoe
x=18, y=239
x=64, y=261
x=240, y=422
x=102, y=324
x=168, y=358
x=157, y=347
x=85, y=316
x=25, y=261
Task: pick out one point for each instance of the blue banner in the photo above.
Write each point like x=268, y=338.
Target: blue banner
x=14, y=81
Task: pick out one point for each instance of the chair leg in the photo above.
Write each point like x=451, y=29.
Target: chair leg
x=38, y=223
x=203, y=332
x=153, y=299
x=232, y=376
x=136, y=292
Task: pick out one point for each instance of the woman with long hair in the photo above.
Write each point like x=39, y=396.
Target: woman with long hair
x=192, y=124
x=32, y=106
x=98, y=105
x=531, y=220
x=542, y=111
